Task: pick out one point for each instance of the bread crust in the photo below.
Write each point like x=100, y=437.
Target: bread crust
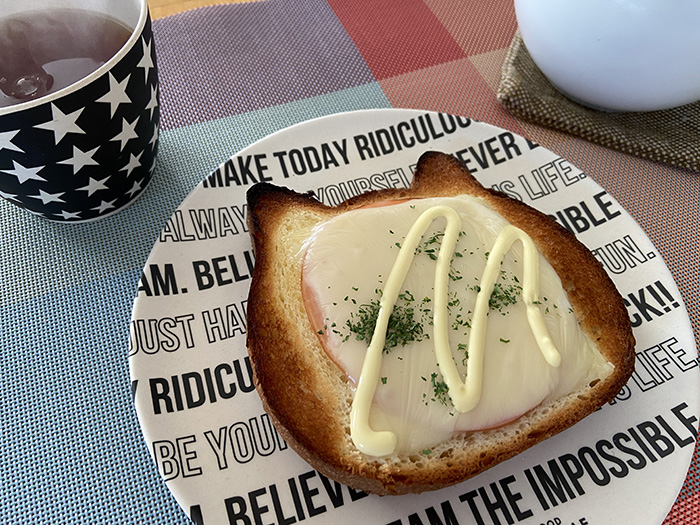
x=308, y=397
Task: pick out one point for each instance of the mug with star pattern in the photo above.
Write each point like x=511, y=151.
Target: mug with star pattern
x=79, y=115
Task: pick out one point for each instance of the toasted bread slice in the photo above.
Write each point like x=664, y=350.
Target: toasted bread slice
x=309, y=397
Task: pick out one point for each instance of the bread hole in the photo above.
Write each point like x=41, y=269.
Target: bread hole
x=535, y=434
x=594, y=383
x=486, y=462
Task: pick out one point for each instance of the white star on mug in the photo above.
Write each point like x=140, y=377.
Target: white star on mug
x=127, y=133
x=116, y=94
x=153, y=102
x=67, y=215
x=94, y=185
x=6, y=141
x=24, y=174
x=61, y=123
x=80, y=159
x=154, y=136
x=134, y=162
x=134, y=189
x=146, y=62
x=154, y=160
x=104, y=206
x=9, y=196
x=48, y=197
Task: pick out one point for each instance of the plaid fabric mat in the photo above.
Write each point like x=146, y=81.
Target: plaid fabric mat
x=72, y=447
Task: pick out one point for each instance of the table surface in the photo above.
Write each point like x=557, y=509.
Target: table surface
x=72, y=446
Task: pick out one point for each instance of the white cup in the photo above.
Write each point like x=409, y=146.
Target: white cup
x=619, y=55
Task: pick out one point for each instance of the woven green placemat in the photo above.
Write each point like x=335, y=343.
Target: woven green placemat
x=670, y=136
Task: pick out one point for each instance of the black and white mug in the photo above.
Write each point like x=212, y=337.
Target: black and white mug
x=84, y=150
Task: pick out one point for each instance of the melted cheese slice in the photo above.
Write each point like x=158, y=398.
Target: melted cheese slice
x=347, y=263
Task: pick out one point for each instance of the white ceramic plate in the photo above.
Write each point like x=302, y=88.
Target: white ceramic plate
x=203, y=421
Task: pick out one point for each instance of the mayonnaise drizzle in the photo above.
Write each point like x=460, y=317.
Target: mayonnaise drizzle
x=465, y=394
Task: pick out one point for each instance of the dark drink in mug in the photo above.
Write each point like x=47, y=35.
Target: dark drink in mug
x=79, y=106
x=44, y=51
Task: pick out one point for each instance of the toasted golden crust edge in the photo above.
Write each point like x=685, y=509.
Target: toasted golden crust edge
x=315, y=432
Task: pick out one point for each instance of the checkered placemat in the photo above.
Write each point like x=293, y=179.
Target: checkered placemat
x=72, y=447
